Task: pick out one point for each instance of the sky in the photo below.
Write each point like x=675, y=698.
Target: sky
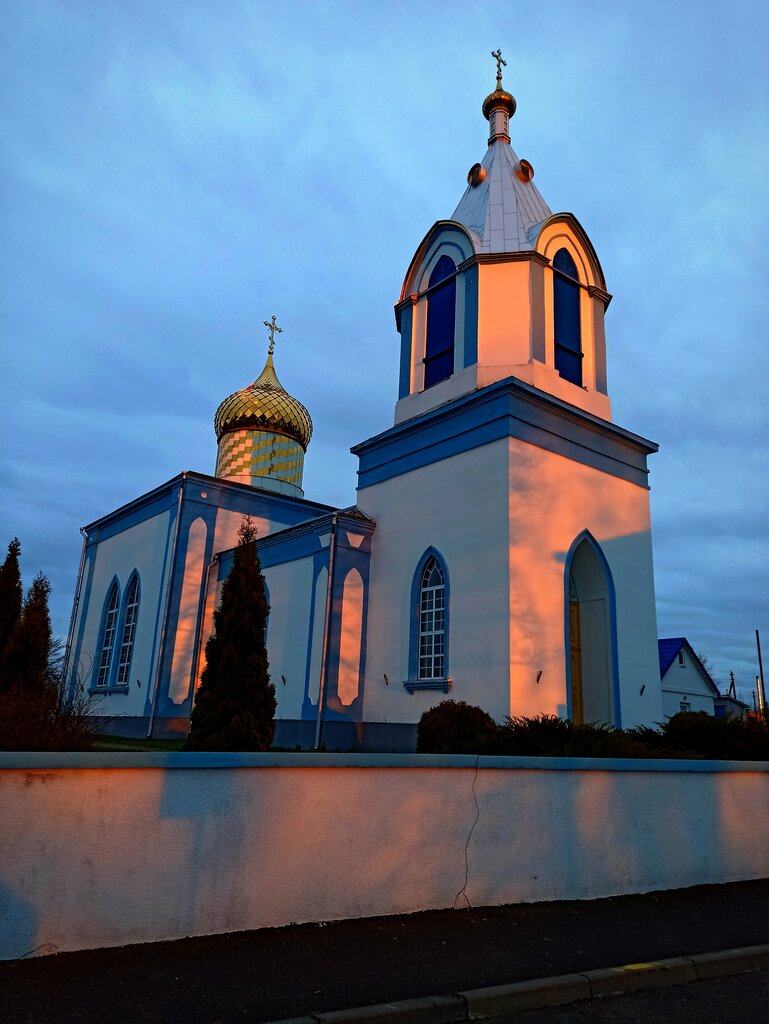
x=174, y=173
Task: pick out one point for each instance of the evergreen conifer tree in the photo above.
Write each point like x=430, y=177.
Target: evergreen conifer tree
x=235, y=704
x=27, y=652
x=10, y=595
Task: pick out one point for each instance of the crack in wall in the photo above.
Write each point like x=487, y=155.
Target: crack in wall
x=463, y=891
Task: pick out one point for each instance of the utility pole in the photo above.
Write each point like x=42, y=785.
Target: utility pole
x=761, y=674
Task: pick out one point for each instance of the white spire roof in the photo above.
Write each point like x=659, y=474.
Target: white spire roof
x=501, y=208
x=503, y=212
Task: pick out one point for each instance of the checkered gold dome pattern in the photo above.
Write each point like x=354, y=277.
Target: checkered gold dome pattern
x=262, y=433
x=264, y=405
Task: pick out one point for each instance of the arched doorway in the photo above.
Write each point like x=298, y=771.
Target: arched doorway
x=591, y=636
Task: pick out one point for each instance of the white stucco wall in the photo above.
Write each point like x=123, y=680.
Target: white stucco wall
x=141, y=547
x=504, y=517
x=288, y=631
x=460, y=507
x=190, y=844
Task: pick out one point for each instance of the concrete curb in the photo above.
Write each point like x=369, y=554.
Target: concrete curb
x=486, y=1003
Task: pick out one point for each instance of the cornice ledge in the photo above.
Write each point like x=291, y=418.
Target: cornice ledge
x=526, y=256
x=595, y=292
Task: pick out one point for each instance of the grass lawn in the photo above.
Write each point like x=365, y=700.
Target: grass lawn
x=125, y=743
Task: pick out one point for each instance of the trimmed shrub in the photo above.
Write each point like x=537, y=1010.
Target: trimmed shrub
x=455, y=727
x=550, y=736
x=697, y=734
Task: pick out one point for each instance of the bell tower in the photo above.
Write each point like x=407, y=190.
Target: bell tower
x=504, y=470
x=504, y=288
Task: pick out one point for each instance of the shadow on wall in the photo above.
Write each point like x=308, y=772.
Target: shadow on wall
x=271, y=847
x=607, y=836
x=21, y=922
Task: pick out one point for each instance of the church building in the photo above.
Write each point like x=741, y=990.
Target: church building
x=499, y=551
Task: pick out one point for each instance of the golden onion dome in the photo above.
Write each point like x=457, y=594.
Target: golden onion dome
x=499, y=98
x=264, y=405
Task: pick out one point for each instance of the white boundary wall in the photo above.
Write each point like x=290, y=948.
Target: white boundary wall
x=108, y=849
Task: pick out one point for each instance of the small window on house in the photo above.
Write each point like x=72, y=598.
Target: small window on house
x=129, y=632
x=441, y=305
x=566, y=318
x=432, y=622
x=108, y=635
x=681, y=659
x=685, y=705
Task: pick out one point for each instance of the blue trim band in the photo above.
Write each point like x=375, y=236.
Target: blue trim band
x=471, y=316
x=406, y=321
x=46, y=761
x=508, y=408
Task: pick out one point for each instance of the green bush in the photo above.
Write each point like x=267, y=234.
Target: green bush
x=697, y=734
x=455, y=727
x=549, y=736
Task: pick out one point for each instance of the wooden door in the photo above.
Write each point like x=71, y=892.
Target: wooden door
x=575, y=660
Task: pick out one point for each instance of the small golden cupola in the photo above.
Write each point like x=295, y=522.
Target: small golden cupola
x=263, y=432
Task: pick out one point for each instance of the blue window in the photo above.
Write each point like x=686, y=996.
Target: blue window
x=429, y=639
x=568, y=333
x=109, y=628
x=129, y=632
x=441, y=306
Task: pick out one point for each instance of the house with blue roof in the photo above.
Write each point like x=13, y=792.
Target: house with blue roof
x=686, y=683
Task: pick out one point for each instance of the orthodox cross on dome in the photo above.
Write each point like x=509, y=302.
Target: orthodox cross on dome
x=497, y=55
x=272, y=328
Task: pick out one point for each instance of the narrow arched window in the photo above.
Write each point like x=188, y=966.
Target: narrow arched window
x=108, y=635
x=441, y=303
x=432, y=622
x=129, y=632
x=566, y=318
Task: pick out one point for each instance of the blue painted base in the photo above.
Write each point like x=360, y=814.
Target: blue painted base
x=290, y=734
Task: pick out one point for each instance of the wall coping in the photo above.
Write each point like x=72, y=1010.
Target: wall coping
x=51, y=760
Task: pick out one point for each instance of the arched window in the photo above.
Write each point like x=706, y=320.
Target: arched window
x=428, y=667
x=129, y=632
x=108, y=634
x=566, y=318
x=441, y=303
x=432, y=622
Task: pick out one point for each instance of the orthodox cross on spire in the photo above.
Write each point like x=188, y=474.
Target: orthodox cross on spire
x=497, y=55
x=272, y=328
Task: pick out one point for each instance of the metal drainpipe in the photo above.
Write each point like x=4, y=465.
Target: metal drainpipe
x=326, y=630
x=75, y=605
x=164, y=619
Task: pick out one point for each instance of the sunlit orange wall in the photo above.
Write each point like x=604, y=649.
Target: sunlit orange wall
x=504, y=316
x=552, y=500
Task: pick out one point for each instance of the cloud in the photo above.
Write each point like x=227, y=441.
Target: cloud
x=168, y=182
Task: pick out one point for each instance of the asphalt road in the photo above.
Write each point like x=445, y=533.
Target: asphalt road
x=273, y=974
x=743, y=999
